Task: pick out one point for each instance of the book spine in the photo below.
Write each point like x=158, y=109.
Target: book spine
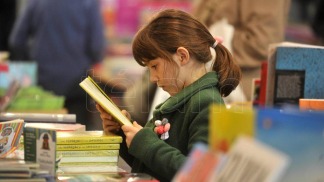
x=87, y=169
x=89, y=159
x=83, y=164
x=18, y=127
x=89, y=153
x=263, y=84
x=271, y=66
x=110, y=146
x=40, y=117
x=311, y=104
x=88, y=140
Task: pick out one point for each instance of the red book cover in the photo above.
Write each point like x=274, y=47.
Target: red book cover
x=4, y=67
x=263, y=83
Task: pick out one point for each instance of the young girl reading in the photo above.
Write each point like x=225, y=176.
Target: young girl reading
x=175, y=48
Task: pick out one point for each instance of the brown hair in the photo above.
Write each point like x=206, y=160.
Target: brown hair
x=171, y=29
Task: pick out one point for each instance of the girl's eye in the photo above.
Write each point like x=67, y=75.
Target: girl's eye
x=154, y=67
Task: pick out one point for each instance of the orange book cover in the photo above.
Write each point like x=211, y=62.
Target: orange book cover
x=311, y=104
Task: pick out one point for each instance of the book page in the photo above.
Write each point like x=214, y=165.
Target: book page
x=103, y=100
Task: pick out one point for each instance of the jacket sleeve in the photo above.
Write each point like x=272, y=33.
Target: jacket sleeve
x=160, y=157
x=19, y=37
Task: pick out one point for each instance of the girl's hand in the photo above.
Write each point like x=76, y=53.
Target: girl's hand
x=130, y=132
x=109, y=124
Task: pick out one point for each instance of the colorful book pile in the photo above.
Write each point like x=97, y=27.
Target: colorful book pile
x=87, y=151
x=258, y=144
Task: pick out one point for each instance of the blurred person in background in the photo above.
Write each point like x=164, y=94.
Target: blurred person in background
x=66, y=39
x=7, y=19
x=318, y=22
x=138, y=100
x=250, y=26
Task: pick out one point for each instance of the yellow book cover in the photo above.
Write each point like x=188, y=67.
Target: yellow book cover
x=100, y=146
x=86, y=137
x=226, y=124
x=84, y=164
x=89, y=153
x=91, y=87
x=63, y=159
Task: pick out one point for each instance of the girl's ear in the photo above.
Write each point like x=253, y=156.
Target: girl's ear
x=182, y=55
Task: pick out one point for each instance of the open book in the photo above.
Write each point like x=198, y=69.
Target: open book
x=90, y=86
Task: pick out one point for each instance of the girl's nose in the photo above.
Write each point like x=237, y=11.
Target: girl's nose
x=153, y=78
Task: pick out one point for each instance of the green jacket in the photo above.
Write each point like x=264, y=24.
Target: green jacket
x=187, y=112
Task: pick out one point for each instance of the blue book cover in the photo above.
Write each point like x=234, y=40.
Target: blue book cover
x=23, y=71
x=300, y=135
x=294, y=72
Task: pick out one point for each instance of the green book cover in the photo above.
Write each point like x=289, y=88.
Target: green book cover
x=40, y=147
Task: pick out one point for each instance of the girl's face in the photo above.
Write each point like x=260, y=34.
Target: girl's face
x=164, y=75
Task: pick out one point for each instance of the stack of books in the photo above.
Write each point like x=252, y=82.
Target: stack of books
x=37, y=117
x=87, y=151
x=258, y=144
x=20, y=170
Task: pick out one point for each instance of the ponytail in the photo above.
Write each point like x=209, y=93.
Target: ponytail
x=229, y=73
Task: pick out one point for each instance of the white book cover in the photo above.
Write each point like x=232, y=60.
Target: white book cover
x=253, y=161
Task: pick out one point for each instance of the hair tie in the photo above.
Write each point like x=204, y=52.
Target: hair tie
x=215, y=44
